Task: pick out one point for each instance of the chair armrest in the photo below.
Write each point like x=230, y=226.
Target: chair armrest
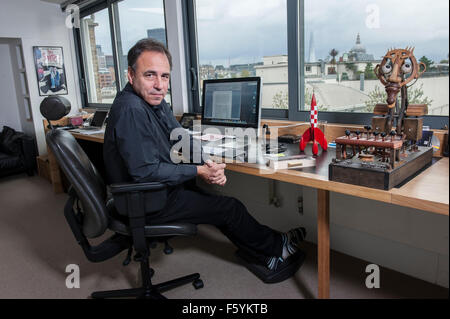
x=139, y=187
x=136, y=201
x=140, y=198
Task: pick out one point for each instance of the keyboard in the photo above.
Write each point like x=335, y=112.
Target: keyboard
x=280, y=148
x=90, y=128
x=88, y=131
x=224, y=151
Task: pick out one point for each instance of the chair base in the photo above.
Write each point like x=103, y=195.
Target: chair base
x=152, y=291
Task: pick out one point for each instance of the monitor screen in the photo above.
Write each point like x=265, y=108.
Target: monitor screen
x=99, y=118
x=232, y=102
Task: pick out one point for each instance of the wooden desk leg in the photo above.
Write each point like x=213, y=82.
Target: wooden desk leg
x=323, y=242
x=55, y=174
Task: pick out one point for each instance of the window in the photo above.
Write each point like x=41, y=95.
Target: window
x=327, y=47
x=241, y=39
x=104, y=45
x=350, y=42
x=135, y=20
x=98, y=58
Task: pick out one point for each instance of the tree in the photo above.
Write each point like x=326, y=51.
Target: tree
x=334, y=54
x=308, y=100
x=378, y=96
x=280, y=100
x=369, y=74
x=427, y=62
x=245, y=73
x=352, y=67
x=308, y=96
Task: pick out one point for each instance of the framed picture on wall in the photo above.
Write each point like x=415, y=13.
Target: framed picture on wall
x=50, y=71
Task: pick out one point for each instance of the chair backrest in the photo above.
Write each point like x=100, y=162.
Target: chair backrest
x=85, y=180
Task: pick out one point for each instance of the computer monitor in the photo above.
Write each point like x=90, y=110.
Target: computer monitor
x=99, y=118
x=232, y=103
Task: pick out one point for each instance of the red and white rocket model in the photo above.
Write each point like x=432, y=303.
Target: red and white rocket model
x=314, y=134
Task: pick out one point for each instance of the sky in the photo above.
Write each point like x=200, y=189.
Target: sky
x=243, y=31
x=135, y=18
x=381, y=23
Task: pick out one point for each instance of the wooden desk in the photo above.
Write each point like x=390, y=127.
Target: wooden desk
x=98, y=137
x=428, y=191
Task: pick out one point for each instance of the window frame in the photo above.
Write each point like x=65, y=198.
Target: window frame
x=296, y=58
x=113, y=25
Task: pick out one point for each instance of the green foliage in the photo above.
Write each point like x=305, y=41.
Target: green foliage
x=308, y=96
x=308, y=99
x=333, y=54
x=245, y=73
x=379, y=96
x=369, y=74
x=427, y=62
x=280, y=100
x=352, y=67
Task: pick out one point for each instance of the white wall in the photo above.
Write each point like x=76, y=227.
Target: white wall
x=39, y=23
x=9, y=109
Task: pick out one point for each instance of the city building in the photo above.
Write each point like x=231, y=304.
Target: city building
x=358, y=52
x=349, y=66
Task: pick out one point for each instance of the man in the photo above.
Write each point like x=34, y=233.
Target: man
x=137, y=149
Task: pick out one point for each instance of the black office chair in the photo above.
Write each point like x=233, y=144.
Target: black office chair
x=89, y=214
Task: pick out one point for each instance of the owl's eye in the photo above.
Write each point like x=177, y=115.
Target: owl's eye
x=407, y=67
x=387, y=67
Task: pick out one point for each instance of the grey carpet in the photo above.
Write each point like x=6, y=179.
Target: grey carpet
x=36, y=245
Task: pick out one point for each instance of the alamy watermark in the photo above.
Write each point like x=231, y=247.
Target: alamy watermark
x=373, y=280
x=73, y=17
x=373, y=16
x=237, y=140
x=73, y=279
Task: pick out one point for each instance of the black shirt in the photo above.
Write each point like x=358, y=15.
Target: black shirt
x=137, y=143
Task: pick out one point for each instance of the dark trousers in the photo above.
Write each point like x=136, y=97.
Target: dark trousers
x=192, y=205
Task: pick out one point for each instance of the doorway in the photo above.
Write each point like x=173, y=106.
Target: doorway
x=15, y=106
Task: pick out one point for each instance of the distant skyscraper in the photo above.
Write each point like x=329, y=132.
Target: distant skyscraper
x=99, y=50
x=312, y=49
x=158, y=34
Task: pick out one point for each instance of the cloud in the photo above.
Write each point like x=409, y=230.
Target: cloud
x=336, y=24
x=243, y=31
x=240, y=30
x=159, y=11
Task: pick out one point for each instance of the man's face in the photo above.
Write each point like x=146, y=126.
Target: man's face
x=151, y=78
